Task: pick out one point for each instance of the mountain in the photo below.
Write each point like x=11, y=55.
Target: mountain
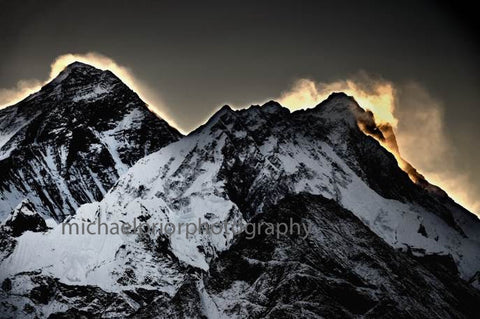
x=67, y=144
x=378, y=245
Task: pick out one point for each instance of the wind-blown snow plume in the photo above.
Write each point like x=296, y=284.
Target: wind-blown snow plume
x=423, y=141
x=10, y=96
x=377, y=96
x=411, y=122
x=148, y=95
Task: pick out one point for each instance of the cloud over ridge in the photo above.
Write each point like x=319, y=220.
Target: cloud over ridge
x=417, y=120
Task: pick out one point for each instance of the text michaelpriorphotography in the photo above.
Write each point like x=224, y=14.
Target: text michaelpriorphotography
x=251, y=230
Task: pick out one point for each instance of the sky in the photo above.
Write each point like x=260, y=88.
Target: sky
x=196, y=56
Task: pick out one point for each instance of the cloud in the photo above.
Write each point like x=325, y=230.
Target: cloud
x=416, y=118
x=147, y=94
x=376, y=95
x=423, y=140
x=23, y=88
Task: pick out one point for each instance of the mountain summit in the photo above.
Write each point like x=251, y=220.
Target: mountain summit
x=67, y=144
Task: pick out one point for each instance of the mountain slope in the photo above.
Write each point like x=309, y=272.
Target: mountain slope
x=341, y=269
x=68, y=143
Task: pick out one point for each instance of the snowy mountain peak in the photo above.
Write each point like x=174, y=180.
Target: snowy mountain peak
x=81, y=80
x=341, y=107
x=339, y=95
x=274, y=107
x=223, y=110
x=80, y=65
x=68, y=143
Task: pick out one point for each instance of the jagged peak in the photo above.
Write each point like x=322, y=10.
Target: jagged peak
x=269, y=110
x=80, y=65
x=339, y=95
x=79, y=72
x=339, y=100
x=76, y=73
x=225, y=108
x=337, y=108
x=342, y=107
x=274, y=107
x=271, y=103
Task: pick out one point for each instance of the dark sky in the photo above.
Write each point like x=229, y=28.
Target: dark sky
x=202, y=54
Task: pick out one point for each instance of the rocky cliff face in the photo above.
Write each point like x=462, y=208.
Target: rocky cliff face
x=23, y=218
x=67, y=144
x=342, y=270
